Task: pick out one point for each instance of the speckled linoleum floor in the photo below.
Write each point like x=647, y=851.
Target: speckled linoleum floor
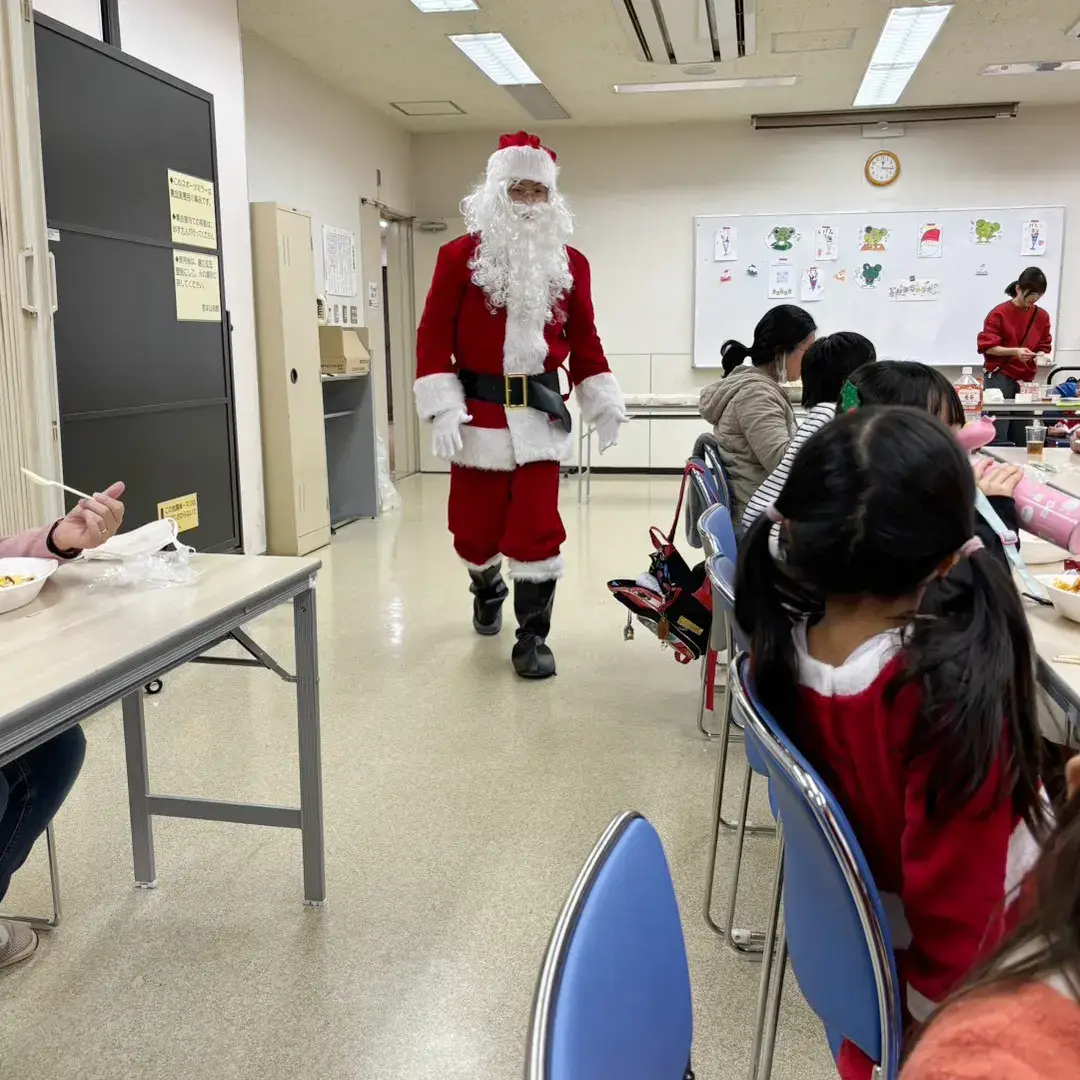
x=460, y=803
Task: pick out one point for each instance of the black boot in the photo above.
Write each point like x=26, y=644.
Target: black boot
x=533, y=601
x=489, y=591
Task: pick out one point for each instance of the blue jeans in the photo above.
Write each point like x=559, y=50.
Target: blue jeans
x=32, y=788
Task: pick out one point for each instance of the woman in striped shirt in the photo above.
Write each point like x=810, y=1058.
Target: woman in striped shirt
x=826, y=366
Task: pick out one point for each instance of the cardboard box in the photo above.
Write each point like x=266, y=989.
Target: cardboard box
x=343, y=352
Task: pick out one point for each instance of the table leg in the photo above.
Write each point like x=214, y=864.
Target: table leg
x=138, y=777
x=306, y=639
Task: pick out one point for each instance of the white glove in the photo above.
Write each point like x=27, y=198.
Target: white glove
x=446, y=432
x=607, y=426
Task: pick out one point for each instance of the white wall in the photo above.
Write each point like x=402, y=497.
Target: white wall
x=635, y=192
x=199, y=41
x=315, y=148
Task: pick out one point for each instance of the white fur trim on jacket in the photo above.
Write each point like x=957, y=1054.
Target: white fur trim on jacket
x=544, y=570
x=530, y=437
x=597, y=394
x=522, y=163
x=437, y=393
x=486, y=448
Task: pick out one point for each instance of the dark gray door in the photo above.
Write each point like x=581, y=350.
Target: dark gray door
x=144, y=396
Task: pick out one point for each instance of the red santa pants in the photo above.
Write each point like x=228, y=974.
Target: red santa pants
x=512, y=513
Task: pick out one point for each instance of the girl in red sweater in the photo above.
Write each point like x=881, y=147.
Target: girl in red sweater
x=923, y=726
x=1013, y=338
x=1019, y=1016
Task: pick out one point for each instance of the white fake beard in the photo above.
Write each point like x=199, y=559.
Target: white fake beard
x=521, y=262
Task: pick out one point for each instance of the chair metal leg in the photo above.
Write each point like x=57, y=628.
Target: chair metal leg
x=36, y=921
x=747, y=944
x=708, y=671
x=761, y=1017
x=772, y=1012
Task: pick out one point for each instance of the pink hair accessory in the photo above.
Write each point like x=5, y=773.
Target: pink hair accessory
x=969, y=547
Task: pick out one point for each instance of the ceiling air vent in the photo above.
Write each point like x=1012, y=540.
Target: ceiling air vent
x=689, y=31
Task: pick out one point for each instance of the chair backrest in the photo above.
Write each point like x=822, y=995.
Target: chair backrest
x=837, y=933
x=717, y=533
x=711, y=454
x=701, y=495
x=613, y=997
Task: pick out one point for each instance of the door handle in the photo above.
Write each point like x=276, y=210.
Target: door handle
x=25, y=256
x=54, y=299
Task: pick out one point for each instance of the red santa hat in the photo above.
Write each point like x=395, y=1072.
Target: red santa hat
x=522, y=156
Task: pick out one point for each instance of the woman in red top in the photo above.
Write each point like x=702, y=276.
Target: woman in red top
x=1014, y=336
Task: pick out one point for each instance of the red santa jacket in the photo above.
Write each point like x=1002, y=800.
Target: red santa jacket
x=948, y=885
x=459, y=330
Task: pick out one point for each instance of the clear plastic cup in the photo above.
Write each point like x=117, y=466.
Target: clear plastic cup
x=1036, y=439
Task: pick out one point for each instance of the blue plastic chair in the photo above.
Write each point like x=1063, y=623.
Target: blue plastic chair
x=613, y=997
x=702, y=493
x=834, y=924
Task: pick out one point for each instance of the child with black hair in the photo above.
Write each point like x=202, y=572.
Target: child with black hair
x=922, y=725
x=826, y=366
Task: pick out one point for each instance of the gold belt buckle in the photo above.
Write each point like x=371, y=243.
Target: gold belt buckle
x=510, y=403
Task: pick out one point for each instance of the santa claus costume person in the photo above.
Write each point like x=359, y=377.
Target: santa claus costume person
x=510, y=303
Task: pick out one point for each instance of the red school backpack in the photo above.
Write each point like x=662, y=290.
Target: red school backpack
x=671, y=598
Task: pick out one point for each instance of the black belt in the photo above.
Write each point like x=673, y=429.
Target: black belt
x=540, y=392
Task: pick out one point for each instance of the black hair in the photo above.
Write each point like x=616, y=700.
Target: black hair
x=1030, y=280
x=777, y=333
x=829, y=362
x=875, y=503
x=907, y=382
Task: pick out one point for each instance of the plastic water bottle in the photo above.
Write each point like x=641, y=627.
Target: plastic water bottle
x=970, y=391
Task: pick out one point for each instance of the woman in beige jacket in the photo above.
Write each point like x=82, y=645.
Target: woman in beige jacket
x=751, y=416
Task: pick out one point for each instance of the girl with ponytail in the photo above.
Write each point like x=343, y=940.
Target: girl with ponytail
x=751, y=416
x=922, y=725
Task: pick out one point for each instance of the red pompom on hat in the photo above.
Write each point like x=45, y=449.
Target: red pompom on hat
x=522, y=156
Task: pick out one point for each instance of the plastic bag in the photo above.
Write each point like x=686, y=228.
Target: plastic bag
x=389, y=499
x=161, y=570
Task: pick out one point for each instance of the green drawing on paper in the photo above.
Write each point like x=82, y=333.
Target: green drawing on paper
x=874, y=239
x=985, y=232
x=867, y=276
x=782, y=237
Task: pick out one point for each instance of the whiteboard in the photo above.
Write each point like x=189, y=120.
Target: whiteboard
x=892, y=309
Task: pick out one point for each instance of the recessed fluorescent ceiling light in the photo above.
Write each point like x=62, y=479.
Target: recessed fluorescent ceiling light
x=907, y=34
x=496, y=58
x=429, y=7
x=1032, y=67
x=704, y=84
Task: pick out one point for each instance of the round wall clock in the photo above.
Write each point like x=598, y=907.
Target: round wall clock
x=882, y=168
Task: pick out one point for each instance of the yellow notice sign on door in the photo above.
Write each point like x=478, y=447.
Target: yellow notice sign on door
x=184, y=511
x=198, y=287
x=191, y=210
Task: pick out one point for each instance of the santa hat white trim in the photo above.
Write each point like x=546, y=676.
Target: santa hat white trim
x=543, y=570
x=522, y=163
x=597, y=394
x=437, y=394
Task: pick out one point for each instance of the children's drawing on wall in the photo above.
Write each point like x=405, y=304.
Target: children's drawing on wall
x=867, y=276
x=915, y=289
x=812, y=285
x=930, y=241
x=781, y=280
x=981, y=271
x=725, y=277
x=826, y=243
x=1033, y=237
x=752, y=270
x=984, y=231
x=725, y=244
x=840, y=275
x=782, y=237
x=874, y=238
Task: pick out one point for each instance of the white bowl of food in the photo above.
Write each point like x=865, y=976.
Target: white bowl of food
x=1064, y=592
x=21, y=580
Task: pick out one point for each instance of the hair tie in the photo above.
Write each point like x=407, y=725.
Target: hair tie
x=969, y=547
x=849, y=396
x=773, y=514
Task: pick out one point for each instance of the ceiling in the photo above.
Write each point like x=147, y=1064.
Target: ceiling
x=383, y=51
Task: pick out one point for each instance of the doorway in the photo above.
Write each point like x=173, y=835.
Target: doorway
x=387, y=258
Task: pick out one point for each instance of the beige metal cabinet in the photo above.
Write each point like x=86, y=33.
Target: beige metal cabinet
x=290, y=387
